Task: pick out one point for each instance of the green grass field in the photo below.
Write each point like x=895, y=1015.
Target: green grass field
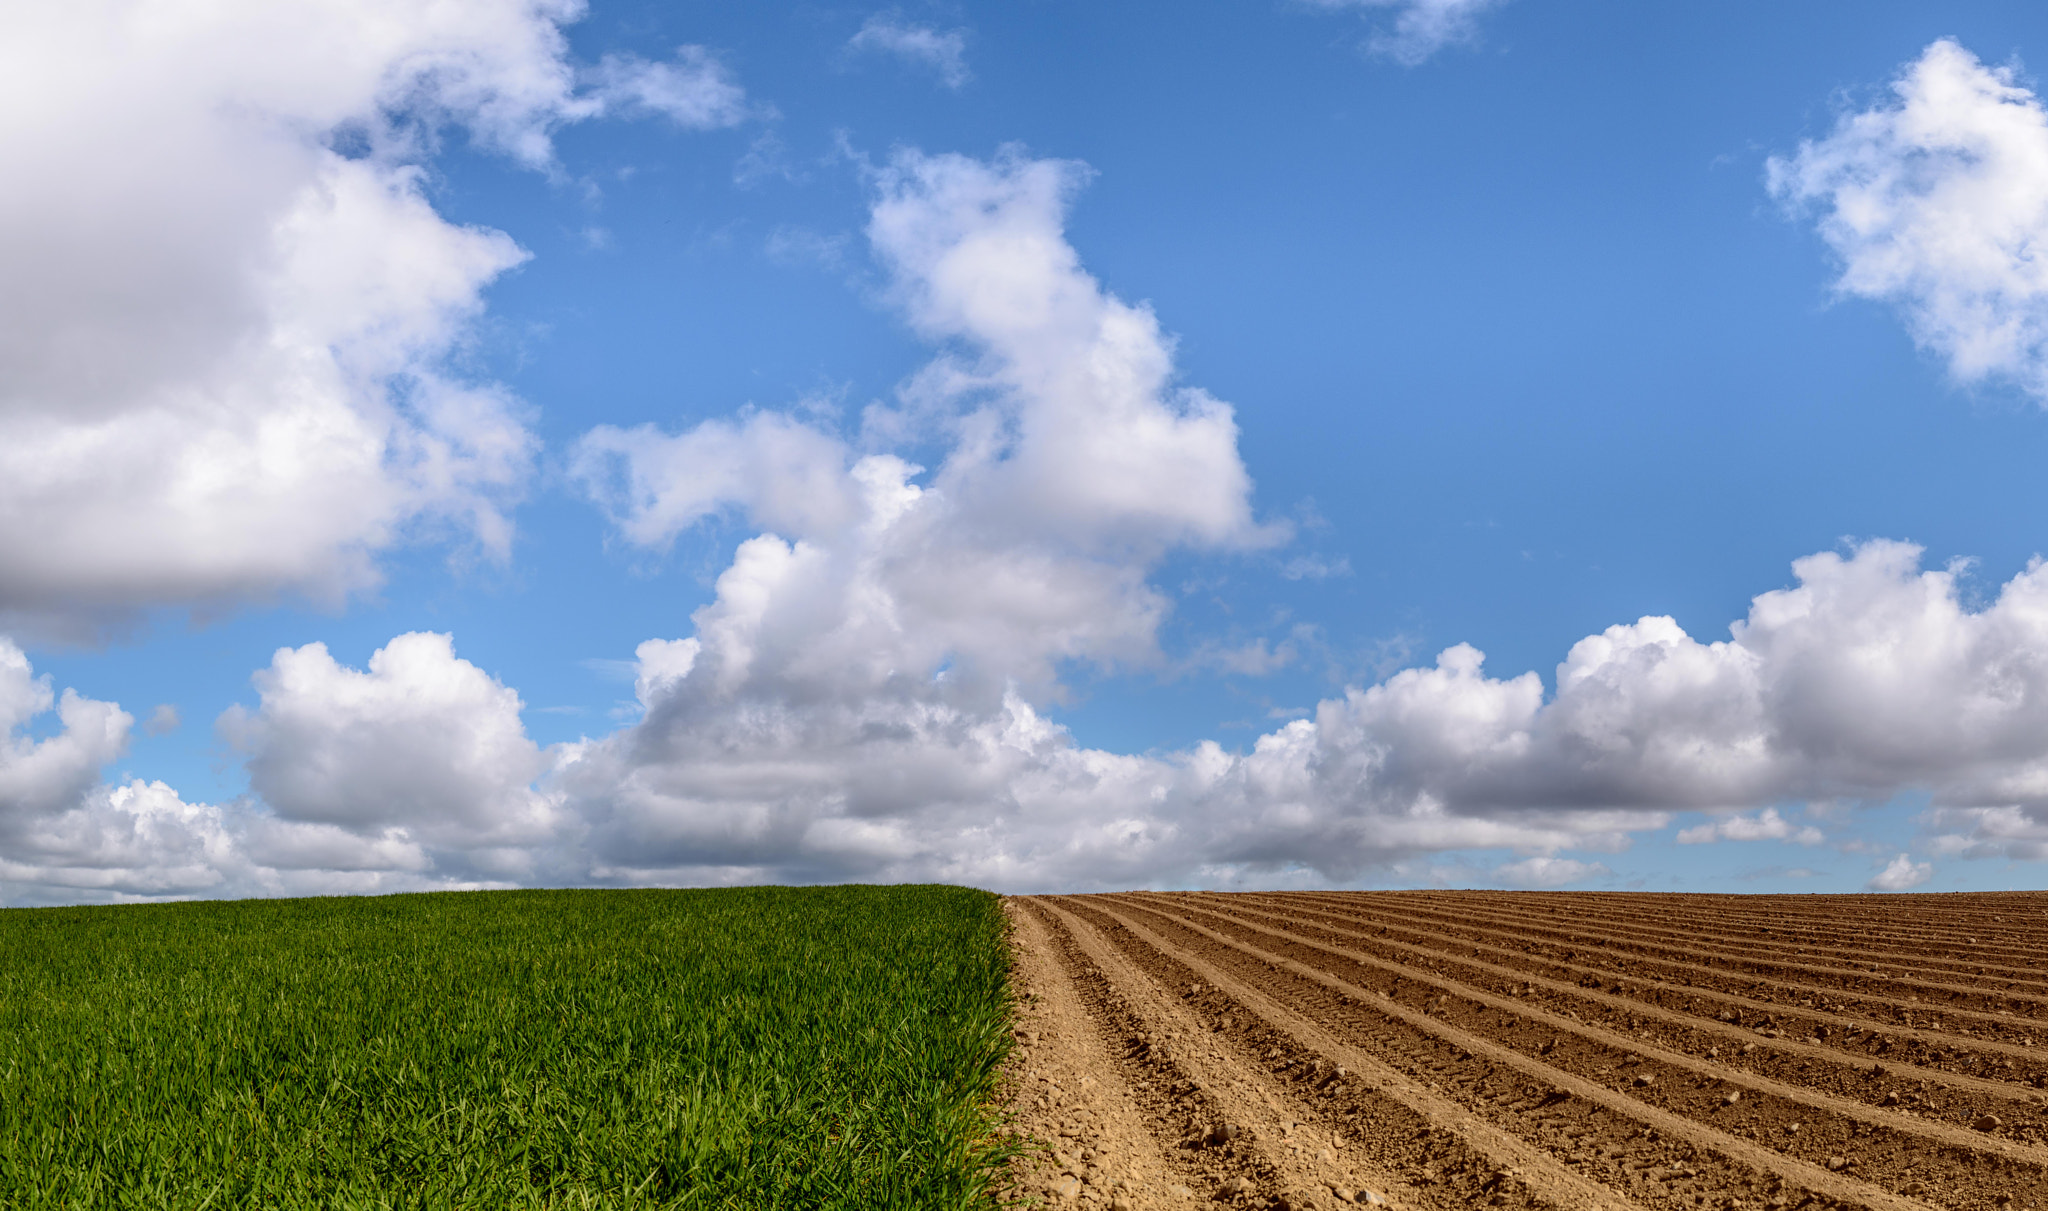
x=770, y=1047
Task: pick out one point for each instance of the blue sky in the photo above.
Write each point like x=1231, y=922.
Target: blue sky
x=1101, y=421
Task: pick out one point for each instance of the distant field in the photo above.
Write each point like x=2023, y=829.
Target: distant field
x=825, y=1047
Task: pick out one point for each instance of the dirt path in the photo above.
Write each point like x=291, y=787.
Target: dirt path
x=1446, y=1051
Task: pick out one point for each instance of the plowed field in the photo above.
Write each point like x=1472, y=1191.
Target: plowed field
x=1450, y=1050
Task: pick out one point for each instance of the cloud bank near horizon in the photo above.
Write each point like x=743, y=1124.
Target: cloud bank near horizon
x=775, y=755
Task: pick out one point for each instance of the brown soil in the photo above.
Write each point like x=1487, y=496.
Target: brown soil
x=1584, y=1052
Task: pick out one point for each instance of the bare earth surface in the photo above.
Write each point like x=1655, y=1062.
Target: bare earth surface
x=1559, y=1050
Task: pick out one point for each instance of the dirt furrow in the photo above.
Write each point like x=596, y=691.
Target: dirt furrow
x=2007, y=955
x=1770, y=1031
x=2016, y=937
x=1700, y=968
x=1449, y=1159
x=1111, y=1119
x=1311, y=1162
x=2018, y=965
x=1658, y=1157
x=1891, y=969
x=1888, y=1148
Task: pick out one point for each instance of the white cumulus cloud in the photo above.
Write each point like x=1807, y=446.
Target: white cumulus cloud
x=1936, y=201
x=419, y=758
x=944, y=51
x=1902, y=874
x=39, y=777
x=225, y=342
x=859, y=695
x=415, y=774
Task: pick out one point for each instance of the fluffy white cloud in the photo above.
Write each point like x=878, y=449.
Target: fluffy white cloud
x=1074, y=464
x=1937, y=202
x=230, y=308
x=419, y=760
x=1420, y=28
x=134, y=841
x=413, y=775
x=1902, y=874
x=1766, y=825
x=41, y=777
x=1073, y=429
x=944, y=51
x=856, y=698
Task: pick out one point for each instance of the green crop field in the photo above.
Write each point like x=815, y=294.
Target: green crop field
x=769, y=1047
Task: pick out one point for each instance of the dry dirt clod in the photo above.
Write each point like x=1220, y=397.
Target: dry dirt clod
x=1233, y=1188
x=1987, y=1122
